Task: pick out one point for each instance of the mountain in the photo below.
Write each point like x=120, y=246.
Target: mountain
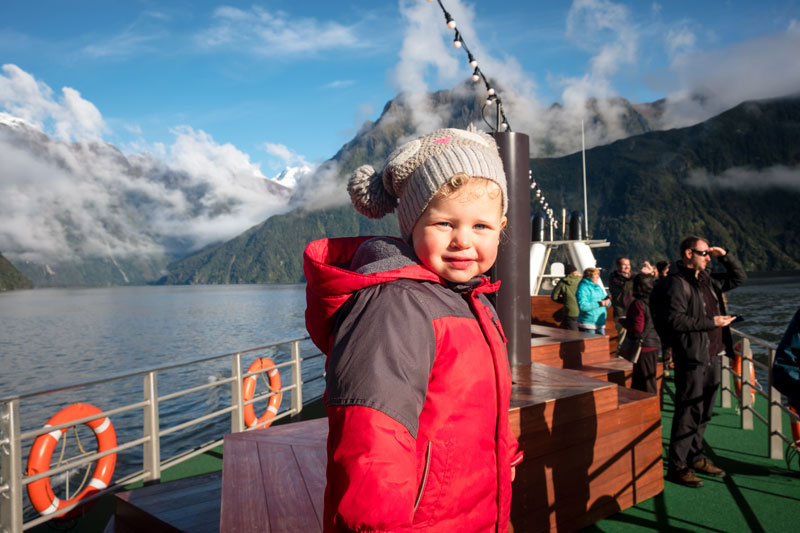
x=85, y=213
x=273, y=251
x=734, y=179
x=11, y=278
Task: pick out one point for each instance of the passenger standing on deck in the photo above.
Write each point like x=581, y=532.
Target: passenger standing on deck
x=698, y=327
x=657, y=299
x=592, y=302
x=639, y=323
x=620, y=283
x=418, y=383
x=565, y=293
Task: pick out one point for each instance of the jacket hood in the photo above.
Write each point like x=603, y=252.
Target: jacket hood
x=572, y=281
x=679, y=269
x=335, y=269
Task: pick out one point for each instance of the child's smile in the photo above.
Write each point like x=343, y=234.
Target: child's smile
x=457, y=235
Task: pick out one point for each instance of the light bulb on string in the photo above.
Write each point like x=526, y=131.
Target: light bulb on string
x=490, y=91
x=457, y=40
x=450, y=22
x=476, y=77
x=472, y=62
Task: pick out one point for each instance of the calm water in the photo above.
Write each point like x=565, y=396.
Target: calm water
x=58, y=336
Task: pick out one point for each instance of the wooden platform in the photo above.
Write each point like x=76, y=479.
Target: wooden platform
x=191, y=504
x=592, y=448
x=274, y=479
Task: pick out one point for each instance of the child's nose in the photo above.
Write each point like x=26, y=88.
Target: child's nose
x=461, y=238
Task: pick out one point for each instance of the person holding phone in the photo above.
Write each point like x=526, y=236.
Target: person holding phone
x=697, y=323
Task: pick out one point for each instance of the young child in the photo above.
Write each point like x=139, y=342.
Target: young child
x=418, y=382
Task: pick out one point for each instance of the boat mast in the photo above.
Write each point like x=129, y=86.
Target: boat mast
x=585, y=208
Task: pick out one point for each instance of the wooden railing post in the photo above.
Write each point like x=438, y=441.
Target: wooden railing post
x=297, y=380
x=152, y=447
x=746, y=399
x=10, y=468
x=237, y=398
x=775, y=414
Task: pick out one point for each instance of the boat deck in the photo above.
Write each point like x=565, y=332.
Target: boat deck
x=758, y=494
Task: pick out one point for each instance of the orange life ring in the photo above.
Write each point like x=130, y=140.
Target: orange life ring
x=40, y=491
x=795, y=429
x=736, y=364
x=249, y=386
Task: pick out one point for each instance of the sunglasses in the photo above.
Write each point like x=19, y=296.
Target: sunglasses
x=701, y=253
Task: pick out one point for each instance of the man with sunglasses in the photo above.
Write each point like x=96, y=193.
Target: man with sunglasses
x=698, y=326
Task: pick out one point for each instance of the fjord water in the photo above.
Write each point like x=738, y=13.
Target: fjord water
x=50, y=337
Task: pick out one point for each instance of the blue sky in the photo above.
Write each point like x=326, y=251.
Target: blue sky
x=291, y=82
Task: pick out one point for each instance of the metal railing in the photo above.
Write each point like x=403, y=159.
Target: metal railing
x=749, y=389
x=13, y=478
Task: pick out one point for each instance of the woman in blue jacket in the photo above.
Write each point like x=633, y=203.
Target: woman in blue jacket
x=592, y=302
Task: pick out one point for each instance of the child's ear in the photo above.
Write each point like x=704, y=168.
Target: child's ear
x=503, y=222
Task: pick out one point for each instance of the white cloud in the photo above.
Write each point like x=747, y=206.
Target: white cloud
x=69, y=119
x=76, y=197
x=680, y=41
x=282, y=152
x=339, y=84
x=274, y=34
x=743, y=178
x=713, y=81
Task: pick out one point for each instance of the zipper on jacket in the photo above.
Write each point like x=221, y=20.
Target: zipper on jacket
x=424, y=476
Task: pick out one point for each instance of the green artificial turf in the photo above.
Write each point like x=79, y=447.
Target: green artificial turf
x=758, y=494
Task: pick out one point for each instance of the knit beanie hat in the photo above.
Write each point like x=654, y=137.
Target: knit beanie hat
x=418, y=169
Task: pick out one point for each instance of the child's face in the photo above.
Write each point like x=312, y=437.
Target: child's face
x=457, y=235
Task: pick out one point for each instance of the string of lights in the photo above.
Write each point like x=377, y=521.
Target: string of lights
x=493, y=98
x=477, y=75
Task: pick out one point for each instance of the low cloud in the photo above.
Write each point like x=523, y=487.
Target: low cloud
x=743, y=178
x=711, y=82
x=65, y=194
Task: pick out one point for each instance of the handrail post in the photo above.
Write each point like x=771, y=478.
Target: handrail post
x=152, y=447
x=725, y=380
x=297, y=380
x=775, y=414
x=10, y=468
x=747, y=399
x=237, y=399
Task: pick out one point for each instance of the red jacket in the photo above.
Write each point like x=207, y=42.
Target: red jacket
x=418, y=389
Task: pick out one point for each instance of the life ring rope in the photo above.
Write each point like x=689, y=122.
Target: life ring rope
x=262, y=365
x=40, y=492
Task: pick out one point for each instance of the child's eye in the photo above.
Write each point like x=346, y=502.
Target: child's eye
x=443, y=224
x=481, y=226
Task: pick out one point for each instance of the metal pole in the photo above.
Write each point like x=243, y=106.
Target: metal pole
x=152, y=448
x=513, y=259
x=585, y=204
x=297, y=380
x=237, y=415
x=11, y=513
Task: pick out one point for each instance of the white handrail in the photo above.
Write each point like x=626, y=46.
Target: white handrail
x=775, y=410
x=13, y=479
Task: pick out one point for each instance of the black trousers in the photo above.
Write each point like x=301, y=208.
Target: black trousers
x=695, y=393
x=644, y=372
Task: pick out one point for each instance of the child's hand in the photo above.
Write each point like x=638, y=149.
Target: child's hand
x=513, y=472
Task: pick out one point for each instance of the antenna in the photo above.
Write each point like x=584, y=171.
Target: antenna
x=585, y=208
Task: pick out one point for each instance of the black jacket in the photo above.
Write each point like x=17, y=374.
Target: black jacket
x=686, y=319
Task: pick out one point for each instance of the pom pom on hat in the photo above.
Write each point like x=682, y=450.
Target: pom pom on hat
x=369, y=196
